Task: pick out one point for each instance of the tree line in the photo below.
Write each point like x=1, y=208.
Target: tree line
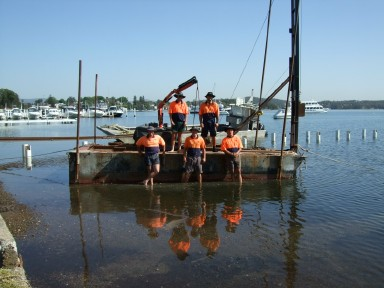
x=10, y=99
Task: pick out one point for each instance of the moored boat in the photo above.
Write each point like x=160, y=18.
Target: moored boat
x=92, y=113
x=113, y=111
x=17, y=114
x=53, y=113
x=2, y=115
x=33, y=113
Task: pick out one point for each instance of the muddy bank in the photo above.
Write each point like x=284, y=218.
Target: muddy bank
x=15, y=220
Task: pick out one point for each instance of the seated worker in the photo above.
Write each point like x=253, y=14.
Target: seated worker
x=178, y=114
x=209, y=118
x=151, y=143
x=194, y=155
x=231, y=146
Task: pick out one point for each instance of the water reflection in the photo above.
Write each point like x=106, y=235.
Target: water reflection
x=151, y=217
x=246, y=226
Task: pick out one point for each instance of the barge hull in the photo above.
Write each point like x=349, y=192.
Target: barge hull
x=101, y=165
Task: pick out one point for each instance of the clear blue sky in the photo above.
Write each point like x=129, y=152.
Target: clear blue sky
x=148, y=47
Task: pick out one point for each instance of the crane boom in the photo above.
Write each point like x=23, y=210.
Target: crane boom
x=180, y=88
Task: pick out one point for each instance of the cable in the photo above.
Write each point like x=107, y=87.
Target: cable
x=35, y=155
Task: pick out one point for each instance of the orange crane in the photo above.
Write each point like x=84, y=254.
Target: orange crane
x=181, y=87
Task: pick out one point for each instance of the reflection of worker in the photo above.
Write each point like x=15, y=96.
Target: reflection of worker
x=232, y=212
x=178, y=114
x=151, y=144
x=209, y=118
x=231, y=146
x=152, y=218
x=196, y=214
x=209, y=237
x=194, y=155
x=179, y=242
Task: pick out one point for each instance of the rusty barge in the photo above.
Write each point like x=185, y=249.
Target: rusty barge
x=120, y=163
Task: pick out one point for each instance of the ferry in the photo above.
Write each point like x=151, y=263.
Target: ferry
x=313, y=106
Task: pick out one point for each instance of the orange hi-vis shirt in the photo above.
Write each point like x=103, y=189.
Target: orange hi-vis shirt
x=209, y=111
x=211, y=244
x=194, y=146
x=196, y=221
x=151, y=144
x=178, y=111
x=232, y=144
x=182, y=246
x=153, y=222
x=232, y=215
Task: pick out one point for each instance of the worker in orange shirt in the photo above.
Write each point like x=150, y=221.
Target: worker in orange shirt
x=194, y=155
x=151, y=144
x=209, y=118
x=231, y=146
x=178, y=114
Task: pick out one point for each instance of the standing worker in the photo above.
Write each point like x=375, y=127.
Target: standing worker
x=178, y=114
x=231, y=146
x=209, y=118
x=194, y=155
x=151, y=144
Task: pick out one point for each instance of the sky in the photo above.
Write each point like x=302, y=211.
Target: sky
x=148, y=47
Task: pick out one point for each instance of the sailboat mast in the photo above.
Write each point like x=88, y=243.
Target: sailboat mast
x=295, y=88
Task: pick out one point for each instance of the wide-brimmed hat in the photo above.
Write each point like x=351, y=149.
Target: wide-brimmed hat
x=194, y=129
x=150, y=128
x=229, y=128
x=177, y=95
x=210, y=94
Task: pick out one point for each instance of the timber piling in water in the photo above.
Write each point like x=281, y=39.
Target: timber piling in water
x=101, y=164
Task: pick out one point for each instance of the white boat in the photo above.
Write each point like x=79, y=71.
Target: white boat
x=17, y=114
x=2, y=115
x=92, y=113
x=33, y=113
x=194, y=109
x=243, y=117
x=222, y=110
x=114, y=111
x=280, y=114
x=313, y=106
x=69, y=112
x=53, y=113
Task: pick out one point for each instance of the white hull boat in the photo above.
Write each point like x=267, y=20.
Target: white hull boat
x=17, y=114
x=33, y=113
x=280, y=114
x=314, y=107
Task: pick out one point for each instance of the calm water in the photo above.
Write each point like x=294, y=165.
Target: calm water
x=323, y=229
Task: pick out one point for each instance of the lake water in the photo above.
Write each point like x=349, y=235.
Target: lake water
x=323, y=229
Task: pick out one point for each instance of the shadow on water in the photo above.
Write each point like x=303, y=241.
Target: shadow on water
x=226, y=233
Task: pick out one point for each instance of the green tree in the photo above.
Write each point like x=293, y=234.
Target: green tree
x=71, y=101
x=51, y=101
x=8, y=98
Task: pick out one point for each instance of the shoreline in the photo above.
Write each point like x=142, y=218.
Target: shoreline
x=13, y=220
